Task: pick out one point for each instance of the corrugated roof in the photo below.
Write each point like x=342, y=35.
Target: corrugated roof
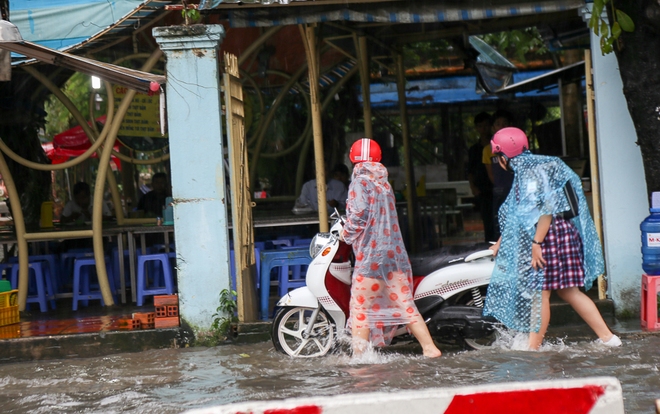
x=429, y=11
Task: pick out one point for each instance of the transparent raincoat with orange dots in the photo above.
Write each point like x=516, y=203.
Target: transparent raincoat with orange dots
x=381, y=291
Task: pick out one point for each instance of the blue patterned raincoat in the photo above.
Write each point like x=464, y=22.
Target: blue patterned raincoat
x=514, y=293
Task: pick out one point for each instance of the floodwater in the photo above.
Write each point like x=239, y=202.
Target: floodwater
x=175, y=380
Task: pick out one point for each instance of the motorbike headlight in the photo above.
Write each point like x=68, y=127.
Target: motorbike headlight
x=319, y=242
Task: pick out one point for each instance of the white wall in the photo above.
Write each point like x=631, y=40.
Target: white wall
x=622, y=185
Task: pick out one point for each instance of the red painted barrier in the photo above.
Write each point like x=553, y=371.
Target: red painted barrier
x=601, y=395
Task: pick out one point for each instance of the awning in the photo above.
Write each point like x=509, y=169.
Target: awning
x=11, y=39
x=448, y=90
x=391, y=12
x=549, y=80
x=70, y=24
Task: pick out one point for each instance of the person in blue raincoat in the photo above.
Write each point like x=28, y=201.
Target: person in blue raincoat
x=541, y=249
x=381, y=287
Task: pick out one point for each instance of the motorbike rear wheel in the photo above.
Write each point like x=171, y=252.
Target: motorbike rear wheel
x=288, y=332
x=482, y=343
x=487, y=341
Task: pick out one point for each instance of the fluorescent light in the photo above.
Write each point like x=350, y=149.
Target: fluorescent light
x=96, y=82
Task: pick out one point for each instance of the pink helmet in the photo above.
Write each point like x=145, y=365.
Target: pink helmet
x=509, y=141
x=365, y=149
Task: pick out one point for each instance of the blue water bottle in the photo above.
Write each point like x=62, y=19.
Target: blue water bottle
x=651, y=238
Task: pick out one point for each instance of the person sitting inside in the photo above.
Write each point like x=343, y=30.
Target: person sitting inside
x=153, y=202
x=80, y=208
x=336, y=192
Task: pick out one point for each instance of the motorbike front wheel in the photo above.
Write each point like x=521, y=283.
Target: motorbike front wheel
x=289, y=337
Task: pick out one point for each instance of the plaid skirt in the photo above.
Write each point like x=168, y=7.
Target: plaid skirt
x=562, y=250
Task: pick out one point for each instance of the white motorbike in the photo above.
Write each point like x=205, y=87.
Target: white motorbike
x=449, y=293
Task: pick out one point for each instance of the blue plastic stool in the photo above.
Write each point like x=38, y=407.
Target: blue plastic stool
x=299, y=272
x=280, y=243
x=50, y=266
x=158, y=274
x=116, y=271
x=82, y=288
x=279, y=258
x=154, y=269
x=301, y=242
x=42, y=284
x=143, y=289
x=67, y=259
x=52, y=260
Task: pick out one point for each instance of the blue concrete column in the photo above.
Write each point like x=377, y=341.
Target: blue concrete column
x=622, y=184
x=194, y=116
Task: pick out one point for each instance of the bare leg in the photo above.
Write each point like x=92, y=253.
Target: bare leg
x=536, y=338
x=587, y=310
x=421, y=332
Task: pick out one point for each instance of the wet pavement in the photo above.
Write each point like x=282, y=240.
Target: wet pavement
x=175, y=380
x=92, y=372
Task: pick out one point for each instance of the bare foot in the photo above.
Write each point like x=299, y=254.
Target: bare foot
x=433, y=352
x=535, y=341
x=359, y=346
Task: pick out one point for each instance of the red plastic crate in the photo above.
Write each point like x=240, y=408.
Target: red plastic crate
x=166, y=300
x=649, y=309
x=171, y=322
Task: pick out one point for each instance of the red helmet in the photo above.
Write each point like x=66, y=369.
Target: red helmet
x=365, y=149
x=509, y=141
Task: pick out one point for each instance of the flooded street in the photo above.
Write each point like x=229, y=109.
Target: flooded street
x=174, y=380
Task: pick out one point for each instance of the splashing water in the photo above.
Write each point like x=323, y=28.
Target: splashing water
x=174, y=380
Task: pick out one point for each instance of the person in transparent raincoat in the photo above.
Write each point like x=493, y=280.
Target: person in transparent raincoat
x=540, y=249
x=381, y=289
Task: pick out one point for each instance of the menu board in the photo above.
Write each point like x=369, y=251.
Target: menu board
x=142, y=120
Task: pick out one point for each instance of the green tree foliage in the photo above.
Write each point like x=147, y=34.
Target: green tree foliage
x=609, y=34
x=517, y=44
x=437, y=53
x=58, y=118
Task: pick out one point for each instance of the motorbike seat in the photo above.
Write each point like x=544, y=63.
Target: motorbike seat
x=426, y=262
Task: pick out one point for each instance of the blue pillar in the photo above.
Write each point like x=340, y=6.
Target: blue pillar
x=622, y=184
x=194, y=116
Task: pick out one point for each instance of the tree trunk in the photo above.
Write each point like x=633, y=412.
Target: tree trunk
x=639, y=64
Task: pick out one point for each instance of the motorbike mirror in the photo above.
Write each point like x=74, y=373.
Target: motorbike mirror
x=337, y=216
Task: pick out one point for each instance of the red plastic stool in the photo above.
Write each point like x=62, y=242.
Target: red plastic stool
x=649, y=312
